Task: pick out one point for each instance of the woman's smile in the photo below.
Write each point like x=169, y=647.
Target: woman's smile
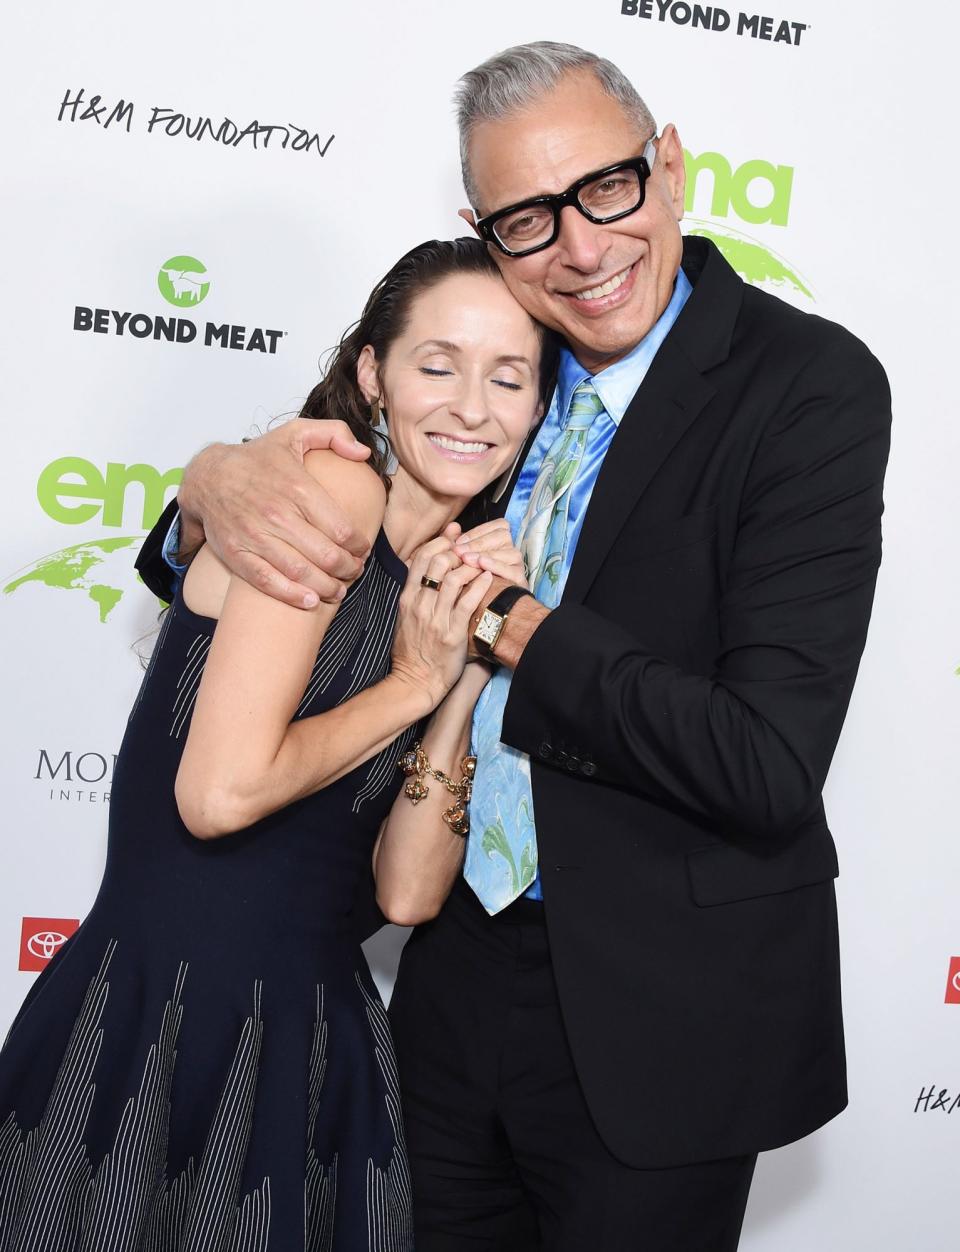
x=453, y=448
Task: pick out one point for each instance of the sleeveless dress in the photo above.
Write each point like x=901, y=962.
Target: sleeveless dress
x=206, y=1065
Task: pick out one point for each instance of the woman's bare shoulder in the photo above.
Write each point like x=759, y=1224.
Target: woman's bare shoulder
x=358, y=489
x=205, y=583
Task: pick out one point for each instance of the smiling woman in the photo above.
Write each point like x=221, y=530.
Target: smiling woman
x=413, y=355
x=458, y=386
x=257, y=769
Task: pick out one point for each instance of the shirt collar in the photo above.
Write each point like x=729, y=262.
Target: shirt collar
x=618, y=383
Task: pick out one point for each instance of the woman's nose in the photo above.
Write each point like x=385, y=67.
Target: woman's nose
x=469, y=405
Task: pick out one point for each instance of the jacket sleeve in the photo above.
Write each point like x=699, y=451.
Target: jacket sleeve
x=748, y=745
x=150, y=565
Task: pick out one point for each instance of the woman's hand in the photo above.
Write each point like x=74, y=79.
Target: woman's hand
x=490, y=547
x=430, y=644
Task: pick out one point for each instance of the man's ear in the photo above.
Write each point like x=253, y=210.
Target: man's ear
x=671, y=165
x=368, y=378
x=469, y=218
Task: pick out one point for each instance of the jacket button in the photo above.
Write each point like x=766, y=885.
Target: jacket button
x=545, y=750
x=572, y=764
x=562, y=757
x=588, y=769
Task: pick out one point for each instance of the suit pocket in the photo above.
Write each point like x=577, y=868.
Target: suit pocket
x=724, y=873
x=637, y=542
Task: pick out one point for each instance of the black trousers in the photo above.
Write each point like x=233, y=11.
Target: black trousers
x=503, y=1152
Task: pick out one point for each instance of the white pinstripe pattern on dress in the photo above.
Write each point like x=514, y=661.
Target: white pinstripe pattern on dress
x=320, y=1185
x=389, y=1200
x=50, y=1199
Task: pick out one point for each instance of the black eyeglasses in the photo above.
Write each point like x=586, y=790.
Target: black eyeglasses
x=603, y=196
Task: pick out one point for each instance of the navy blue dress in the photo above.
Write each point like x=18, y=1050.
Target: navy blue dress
x=206, y=1064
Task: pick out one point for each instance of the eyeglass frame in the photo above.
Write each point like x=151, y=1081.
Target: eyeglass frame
x=641, y=165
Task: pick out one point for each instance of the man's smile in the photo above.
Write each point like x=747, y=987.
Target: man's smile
x=606, y=295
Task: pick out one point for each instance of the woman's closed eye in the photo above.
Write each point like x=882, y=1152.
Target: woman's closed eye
x=434, y=372
x=503, y=382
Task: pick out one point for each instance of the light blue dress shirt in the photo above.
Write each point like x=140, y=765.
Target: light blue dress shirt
x=616, y=387
x=171, y=549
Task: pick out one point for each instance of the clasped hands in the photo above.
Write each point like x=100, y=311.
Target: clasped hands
x=275, y=526
x=450, y=579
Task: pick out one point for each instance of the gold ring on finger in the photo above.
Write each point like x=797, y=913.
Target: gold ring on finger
x=430, y=582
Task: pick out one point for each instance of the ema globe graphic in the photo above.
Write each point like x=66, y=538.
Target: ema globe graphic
x=754, y=262
x=99, y=569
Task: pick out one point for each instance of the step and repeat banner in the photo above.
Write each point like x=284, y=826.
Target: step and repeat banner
x=198, y=200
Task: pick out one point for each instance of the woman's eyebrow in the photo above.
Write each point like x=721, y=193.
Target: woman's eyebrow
x=446, y=345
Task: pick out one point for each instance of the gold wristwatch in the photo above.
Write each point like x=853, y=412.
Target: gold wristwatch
x=493, y=619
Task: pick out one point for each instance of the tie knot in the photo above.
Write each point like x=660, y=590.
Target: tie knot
x=585, y=405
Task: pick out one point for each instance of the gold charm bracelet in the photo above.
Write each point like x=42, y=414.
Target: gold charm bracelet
x=415, y=765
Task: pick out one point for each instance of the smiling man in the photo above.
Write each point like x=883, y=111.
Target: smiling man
x=634, y=988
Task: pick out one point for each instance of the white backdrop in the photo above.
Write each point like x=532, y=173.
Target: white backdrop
x=829, y=133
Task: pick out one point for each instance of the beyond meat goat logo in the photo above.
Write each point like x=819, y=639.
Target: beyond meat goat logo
x=183, y=281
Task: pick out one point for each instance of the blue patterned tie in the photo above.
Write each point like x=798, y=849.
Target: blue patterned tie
x=501, y=858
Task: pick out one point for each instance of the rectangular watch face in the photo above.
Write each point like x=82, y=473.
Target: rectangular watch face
x=488, y=628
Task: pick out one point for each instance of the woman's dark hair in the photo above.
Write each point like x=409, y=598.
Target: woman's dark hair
x=384, y=319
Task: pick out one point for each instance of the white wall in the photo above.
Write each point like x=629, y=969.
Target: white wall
x=860, y=110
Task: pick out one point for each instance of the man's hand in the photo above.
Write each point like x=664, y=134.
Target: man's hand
x=268, y=520
x=522, y=620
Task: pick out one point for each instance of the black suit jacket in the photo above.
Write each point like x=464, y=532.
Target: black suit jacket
x=681, y=708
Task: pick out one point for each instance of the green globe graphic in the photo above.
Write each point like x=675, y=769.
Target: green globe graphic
x=755, y=263
x=92, y=568
x=182, y=281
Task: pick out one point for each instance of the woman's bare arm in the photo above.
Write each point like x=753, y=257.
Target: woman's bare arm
x=417, y=857
x=244, y=758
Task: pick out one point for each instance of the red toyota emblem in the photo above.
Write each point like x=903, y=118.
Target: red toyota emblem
x=953, y=982
x=42, y=937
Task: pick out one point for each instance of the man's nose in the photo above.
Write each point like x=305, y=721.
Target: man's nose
x=582, y=244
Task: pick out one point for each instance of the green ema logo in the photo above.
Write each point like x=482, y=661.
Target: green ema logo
x=90, y=568
x=72, y=490
x=181, y=281
x=757, y=193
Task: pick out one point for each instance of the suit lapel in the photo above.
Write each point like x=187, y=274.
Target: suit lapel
x=667, y=403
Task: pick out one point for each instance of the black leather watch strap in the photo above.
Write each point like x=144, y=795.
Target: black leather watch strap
x=504, y=601
x=501, y=604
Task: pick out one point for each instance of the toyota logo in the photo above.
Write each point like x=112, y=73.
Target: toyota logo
x=44, y=943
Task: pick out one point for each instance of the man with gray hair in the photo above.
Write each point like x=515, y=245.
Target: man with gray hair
x=634, y=988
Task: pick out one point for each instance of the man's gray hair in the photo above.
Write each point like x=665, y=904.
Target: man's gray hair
x=514, y=79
